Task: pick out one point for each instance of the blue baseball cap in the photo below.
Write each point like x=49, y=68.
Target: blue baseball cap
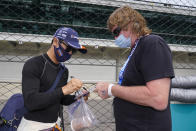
x=70, y=36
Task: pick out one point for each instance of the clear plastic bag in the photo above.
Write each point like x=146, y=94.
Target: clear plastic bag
x=80, y=115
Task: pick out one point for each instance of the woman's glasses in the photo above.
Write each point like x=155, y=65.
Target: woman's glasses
x=116, y=32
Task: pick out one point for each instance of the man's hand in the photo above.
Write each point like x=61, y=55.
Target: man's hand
x=102, y=89
x=72, y=86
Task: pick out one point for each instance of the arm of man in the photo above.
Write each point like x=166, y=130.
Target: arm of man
x=72, y=86
x=67, y=99
x=33, y=98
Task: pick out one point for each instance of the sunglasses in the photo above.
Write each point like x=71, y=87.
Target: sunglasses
x=68, y=48
x=116, y=32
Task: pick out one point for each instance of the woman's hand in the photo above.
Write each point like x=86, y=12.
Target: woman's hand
x=102, y=89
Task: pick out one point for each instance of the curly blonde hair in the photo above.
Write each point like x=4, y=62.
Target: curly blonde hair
x=124, y=16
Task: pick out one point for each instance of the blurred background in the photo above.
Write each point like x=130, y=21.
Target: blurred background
x=27, y=28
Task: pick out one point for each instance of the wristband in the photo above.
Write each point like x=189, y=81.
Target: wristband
x=110, y=89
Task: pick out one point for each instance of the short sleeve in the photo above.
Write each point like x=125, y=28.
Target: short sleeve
x=156, y=61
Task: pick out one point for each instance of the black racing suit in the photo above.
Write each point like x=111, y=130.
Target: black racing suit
x=38, y=75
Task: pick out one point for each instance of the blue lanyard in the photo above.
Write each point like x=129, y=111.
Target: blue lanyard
x=125, y=64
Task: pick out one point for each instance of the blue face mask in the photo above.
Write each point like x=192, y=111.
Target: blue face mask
x=61, y=54
x=123, y=42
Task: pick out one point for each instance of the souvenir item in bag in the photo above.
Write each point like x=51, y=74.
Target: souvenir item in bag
x=81, y=116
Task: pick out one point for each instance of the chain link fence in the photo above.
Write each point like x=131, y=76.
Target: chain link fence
x=27, y=26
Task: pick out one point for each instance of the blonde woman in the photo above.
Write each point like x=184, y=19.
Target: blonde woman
x=141, y=100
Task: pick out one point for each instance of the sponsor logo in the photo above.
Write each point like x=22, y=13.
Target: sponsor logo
x=73, y=36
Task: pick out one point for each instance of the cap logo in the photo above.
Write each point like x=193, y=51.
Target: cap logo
x=73, y=36
x=64, y=35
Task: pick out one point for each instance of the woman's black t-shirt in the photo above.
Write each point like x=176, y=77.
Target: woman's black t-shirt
x=151, y=60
